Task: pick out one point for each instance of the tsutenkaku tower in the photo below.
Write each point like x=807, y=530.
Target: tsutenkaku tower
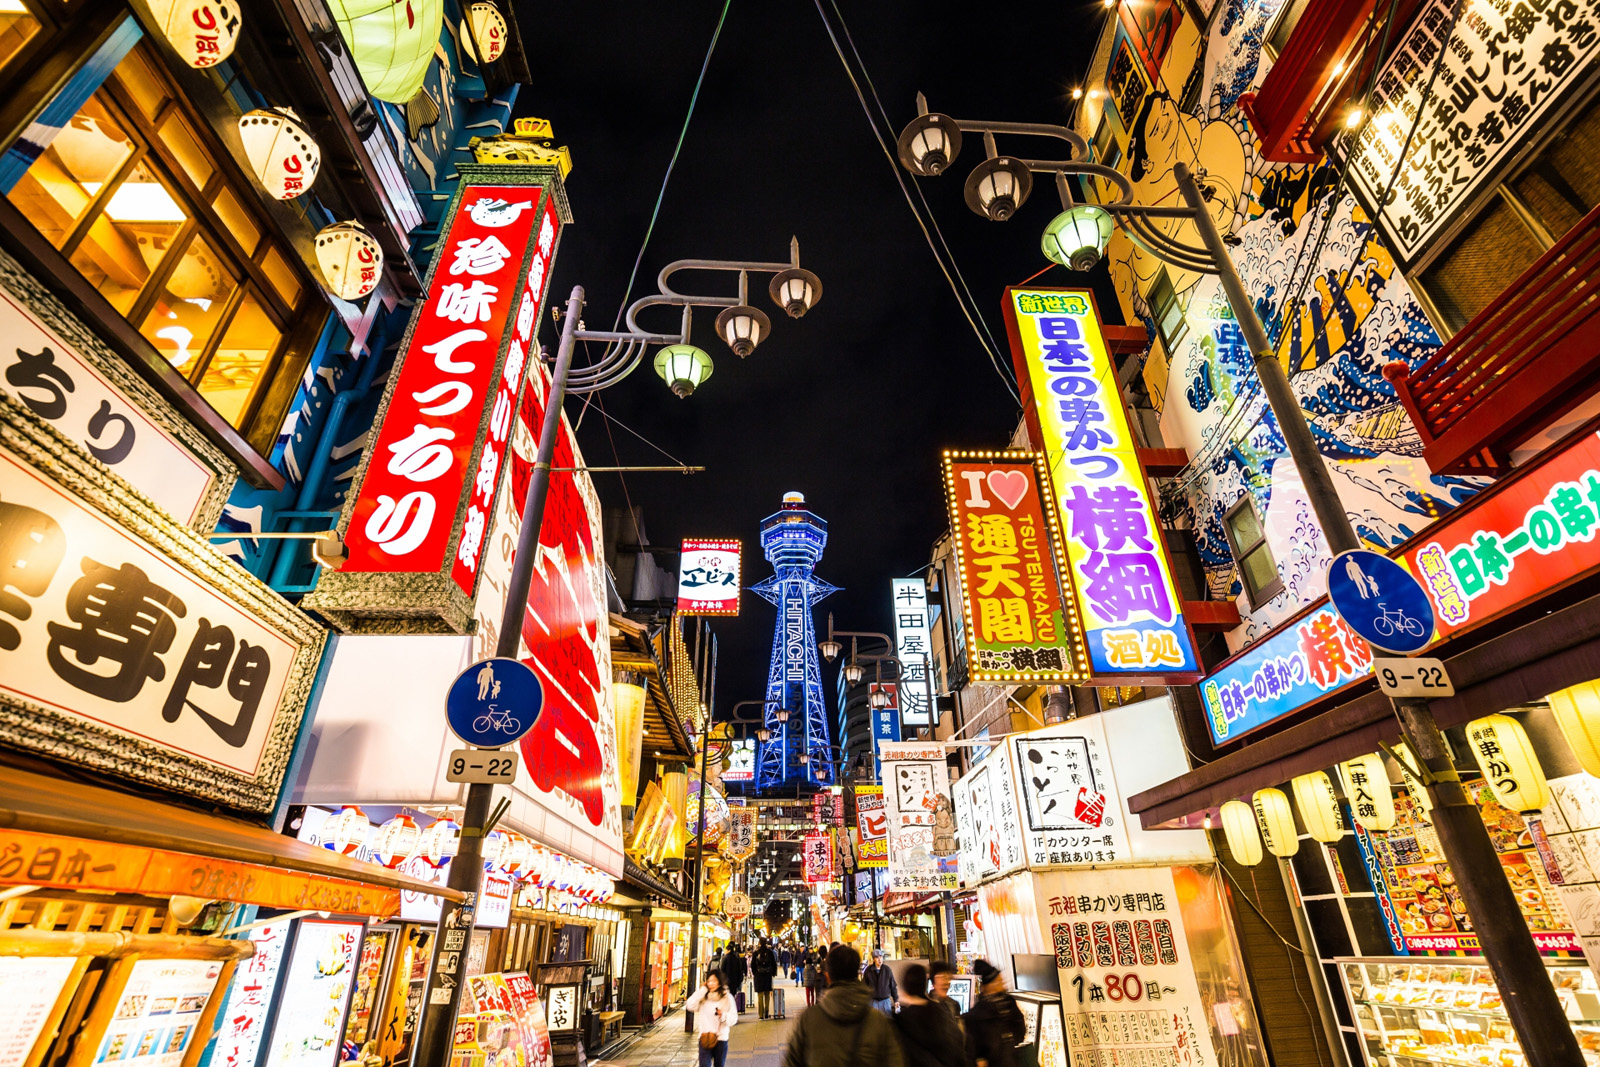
x=792, y=540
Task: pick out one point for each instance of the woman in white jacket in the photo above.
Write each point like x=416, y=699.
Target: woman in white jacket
x=715, y=1012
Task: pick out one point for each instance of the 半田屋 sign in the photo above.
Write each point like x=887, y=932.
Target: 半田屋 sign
x=913, y=646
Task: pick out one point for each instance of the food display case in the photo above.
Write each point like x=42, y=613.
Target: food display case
x=1041, y=1012
x=1448, y=1011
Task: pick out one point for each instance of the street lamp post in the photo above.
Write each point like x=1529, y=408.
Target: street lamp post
x=742, y=327
x=1076, y=239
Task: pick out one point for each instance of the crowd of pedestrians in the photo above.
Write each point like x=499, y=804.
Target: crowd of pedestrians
x=864, y=1015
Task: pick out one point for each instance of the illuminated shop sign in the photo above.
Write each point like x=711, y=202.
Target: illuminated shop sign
x=1131, y=607
x=914, y=648
x=1020, y=623
x=708, y=578
x=1529, y=535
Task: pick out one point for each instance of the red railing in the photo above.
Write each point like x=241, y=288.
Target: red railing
x=1529, y=358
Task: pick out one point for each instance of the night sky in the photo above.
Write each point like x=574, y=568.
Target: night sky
x=852, y=404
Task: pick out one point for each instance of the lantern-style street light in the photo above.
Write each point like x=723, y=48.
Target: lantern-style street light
x=995, y=190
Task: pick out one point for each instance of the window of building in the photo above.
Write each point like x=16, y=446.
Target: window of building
x=1527, y=214
x=132, y=194
x=1257, y=569
x=1168, y=315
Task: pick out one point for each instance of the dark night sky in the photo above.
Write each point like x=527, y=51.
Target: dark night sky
x=852, y=404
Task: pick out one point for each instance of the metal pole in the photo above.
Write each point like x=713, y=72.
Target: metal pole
x=700, y=839
x=1524, y=983
x=436, y=1029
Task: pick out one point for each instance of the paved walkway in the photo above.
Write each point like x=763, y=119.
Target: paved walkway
x=755, y=1042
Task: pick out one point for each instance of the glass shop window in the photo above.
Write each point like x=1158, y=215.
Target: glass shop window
x=1527, y=214
x=131, y=193
x=1248, y=539
x=1168, y=315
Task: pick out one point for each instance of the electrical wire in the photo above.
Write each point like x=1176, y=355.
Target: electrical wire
x=894, y=166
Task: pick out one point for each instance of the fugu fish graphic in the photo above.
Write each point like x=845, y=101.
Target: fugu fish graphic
x=495, y=212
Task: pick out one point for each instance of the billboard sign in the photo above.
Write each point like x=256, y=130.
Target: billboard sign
x=817, y=850
x=885, y=720
x=1021, y=622
x=916, y=790
x=913, y=645
x=708, y=578
x=872, y=823
x=1131, y=606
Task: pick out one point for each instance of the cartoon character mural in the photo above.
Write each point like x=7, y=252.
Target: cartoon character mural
x=1355, y=315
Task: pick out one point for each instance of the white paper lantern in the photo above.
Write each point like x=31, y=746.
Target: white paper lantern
x=1319, y=807
x=515, y=854
x=492, y=846
x=399, y=839
x=1276, y=822
x=1239, y=830
x=488, y=30
x=350, y=829
x=1414, y=785
x=441, y=841
x=1366, y=786
x=202, y=32
x=1508, y=762
x=282, y=154
x=350, y=258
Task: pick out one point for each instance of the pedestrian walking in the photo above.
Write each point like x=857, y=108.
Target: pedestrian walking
x=879, y=980
x=843, y=1030
x=939, y=974
x=994, y=1025
x=786, y=959
x=815, y=977
x=714, y=1016
x=929, y=1034
x=734, y=970
x=763, y=969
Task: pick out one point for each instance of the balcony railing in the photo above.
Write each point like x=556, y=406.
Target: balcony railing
x=1529, y=358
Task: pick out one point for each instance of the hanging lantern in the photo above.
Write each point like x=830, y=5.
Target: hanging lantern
x=1414, y=785
x=350, y=829
x=515, y=854
x=1276, y=821
x=399, y=839
x=488, y=30
x=1319, y=807
x=350, y=259
x=202, y=32
x=1366, y=786
x=1578, y=714
x=1239, y=830
x=675, y=791
x=537, y=872
x=1508, y=762
x=441, y=841
x=282, y=154
x=627, y=705
x=493, y=843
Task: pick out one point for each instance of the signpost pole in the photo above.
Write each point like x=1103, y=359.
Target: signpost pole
x=700, y=863
x=1519, y=971
x=436, y=1029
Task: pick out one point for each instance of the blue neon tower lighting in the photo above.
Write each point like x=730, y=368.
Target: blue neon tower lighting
x=792, y=540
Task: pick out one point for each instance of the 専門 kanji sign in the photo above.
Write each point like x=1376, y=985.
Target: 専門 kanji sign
x=1021, y=624
x=416, y=526
x=1131, y=607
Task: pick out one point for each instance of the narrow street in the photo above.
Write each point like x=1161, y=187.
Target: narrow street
x=755, y=1042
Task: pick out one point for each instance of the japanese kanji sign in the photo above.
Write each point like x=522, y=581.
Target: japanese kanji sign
x=128, y=644
x=817, y=850
x=416, y=527
x=885, y=720
x=741, y=839
x=1131, y=607
x=988, y=821
x=1504, y=69
x=872, y=822
x=916, y=791
x=1021, y=625
x=708, y=578
x=255, y=982
x=1071, y=809
x=914, y=648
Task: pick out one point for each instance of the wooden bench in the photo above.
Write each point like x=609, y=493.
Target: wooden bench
x=610, y=1027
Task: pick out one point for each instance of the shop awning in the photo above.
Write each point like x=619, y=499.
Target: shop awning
x=68, y=835
x=635, y=875
x=907, y=903
x=1524, y=665
x=632, y=649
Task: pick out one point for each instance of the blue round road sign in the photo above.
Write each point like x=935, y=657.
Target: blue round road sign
x=494, y=702
x=1381, y=601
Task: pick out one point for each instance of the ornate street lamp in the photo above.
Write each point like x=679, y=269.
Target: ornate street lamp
x=830, y=649
x=1077, y=237
x=683, y=368
x=853, y=673
x=998, y=186
x=929, y=144
x=796, y=291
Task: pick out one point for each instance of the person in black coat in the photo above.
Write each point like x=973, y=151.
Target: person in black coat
x=734, y=969
x=763, y=969
x=995, y=1024
x=929, y=1034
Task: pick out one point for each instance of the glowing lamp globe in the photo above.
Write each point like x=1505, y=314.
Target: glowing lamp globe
x=281, y=153
x=1077, y=237
x=202, y=32
x=488, y=30
x=743, y=327
x=1239, y=830
x=853, y=673
x=349, y=830
x=878, y=698
x=929, y=144
x=683, y=368
x=350, y=259
x=997, y=187
x=441, y=841
x=399, y=839
x=795, y=290
x=1577, y=712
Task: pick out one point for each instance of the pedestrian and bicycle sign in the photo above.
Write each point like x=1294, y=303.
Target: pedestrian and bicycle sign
x=1381, y=601
x=494, y=702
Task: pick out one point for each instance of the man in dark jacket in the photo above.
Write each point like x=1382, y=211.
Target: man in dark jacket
x=994, y=1025
x=734, y=969
x=939, y=974
x=879, y=980
x=842, y=1030
x=763, y=968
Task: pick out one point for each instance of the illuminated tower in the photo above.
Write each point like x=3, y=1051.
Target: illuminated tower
x=792, y=540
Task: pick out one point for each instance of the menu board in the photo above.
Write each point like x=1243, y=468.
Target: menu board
x=514, y=993
x=1052, y=1038
x=29, y=989
x=255, y=980
x=158, y=1011
x=369, y=972
x=316, y=993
